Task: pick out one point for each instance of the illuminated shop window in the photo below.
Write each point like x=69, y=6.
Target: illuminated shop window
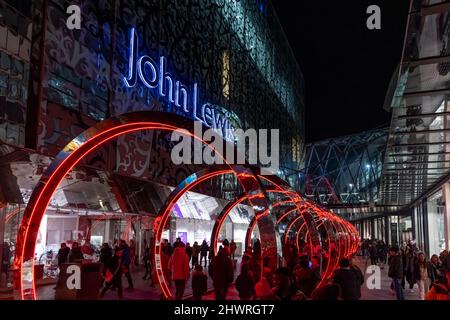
x=435, y=207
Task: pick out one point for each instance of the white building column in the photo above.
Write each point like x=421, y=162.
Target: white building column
x=446, y=195
x=107, y=230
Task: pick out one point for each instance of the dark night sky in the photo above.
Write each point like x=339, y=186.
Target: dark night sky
x=347, y=68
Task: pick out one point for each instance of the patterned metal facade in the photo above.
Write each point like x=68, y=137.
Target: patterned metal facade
x=234, y=50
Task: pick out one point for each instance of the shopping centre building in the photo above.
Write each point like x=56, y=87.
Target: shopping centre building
x=224, y=63
x=416, y=164
x=393, y=183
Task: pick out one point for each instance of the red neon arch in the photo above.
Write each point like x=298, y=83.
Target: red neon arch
x=81, y=146
x=164, y=216
x=243, y=176
x=64, y=162
x=230, y=206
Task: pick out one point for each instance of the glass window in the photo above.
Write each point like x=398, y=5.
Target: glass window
x=436, y=223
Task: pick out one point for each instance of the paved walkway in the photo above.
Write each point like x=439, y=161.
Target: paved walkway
x=143, y=290
x=384, y=293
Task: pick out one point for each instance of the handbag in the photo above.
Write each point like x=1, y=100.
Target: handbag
x=108, y=276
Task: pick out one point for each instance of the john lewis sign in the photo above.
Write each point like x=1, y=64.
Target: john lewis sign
x=154, y=75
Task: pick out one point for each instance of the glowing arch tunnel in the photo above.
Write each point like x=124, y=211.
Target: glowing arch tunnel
x=274, y=202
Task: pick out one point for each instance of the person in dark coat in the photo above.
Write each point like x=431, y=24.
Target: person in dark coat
x=6, y=255
x=75, y=254
x=435, y=266
x=63, y=253
x=114, y=269
x=147, y=264
x=204, y=248
x=284, y=288
x=396, y=271
x=359, y=277
x=221, y=271
x=244, y=284
x=226, y=246
x=210, y=253
x=306, y=279
x=409, y=268
x=188, y=251
x=106, y=254
x=373, y=254
x=195, y=254
x=199, y=282
x=233, y=247
x=257, y=247
x=126, y=261
x=293, y=257
x=254, y=267
x=346, y=279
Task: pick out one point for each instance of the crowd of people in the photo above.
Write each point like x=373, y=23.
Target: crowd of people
x=409, y=266
x=377, y=251
x=298, y=279
x=179, y=260
x=117, y=262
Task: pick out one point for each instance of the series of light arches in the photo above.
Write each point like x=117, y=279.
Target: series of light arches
x=342, y=237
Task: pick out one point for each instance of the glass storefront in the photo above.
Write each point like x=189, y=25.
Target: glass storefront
x=187, y=225
x=405, y=228
x=393, y=230
x=435, y=207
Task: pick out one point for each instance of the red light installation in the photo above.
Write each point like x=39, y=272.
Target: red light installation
x=230, y=206
x=63, y=163
x=111, y=128
x=249, y=183
x=164, y=217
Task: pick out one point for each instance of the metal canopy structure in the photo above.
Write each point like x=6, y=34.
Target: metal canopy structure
x=418, y=149
x=345, y=170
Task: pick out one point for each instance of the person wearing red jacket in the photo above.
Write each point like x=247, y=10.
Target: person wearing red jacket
x=179, y=267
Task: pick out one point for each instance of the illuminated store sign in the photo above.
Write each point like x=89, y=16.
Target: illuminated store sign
x=154, y=76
